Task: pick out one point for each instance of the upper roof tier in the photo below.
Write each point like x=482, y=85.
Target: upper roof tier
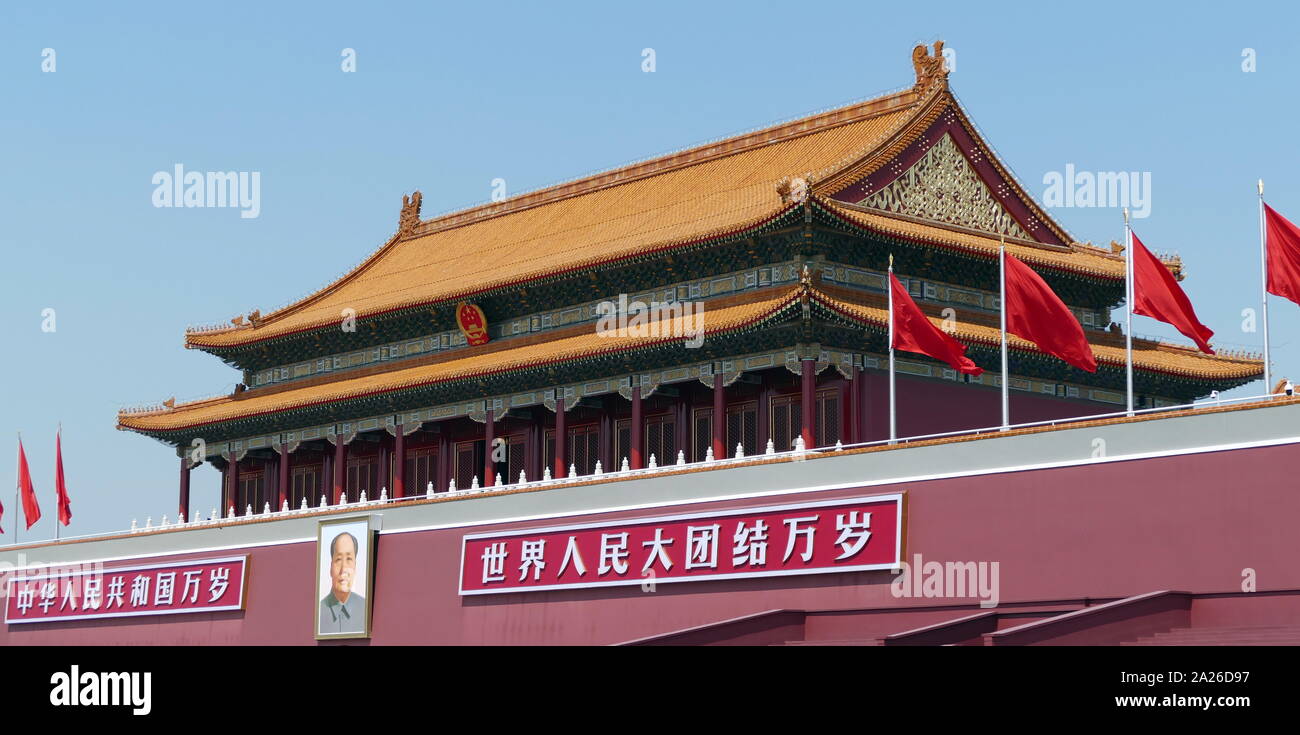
x=848, y=158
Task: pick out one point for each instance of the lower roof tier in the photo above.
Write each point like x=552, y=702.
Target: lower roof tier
x=722, y=327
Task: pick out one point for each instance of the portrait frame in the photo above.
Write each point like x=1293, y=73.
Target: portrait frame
x=365, y=529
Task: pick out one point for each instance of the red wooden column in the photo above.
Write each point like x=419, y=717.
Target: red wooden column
x=561, y=438
x=284, y=477
x=340, y=467
x=637, y=427
x=399, y=463
x=719, y=418
x=808, y=412
x=489, y=435
x=184, y=502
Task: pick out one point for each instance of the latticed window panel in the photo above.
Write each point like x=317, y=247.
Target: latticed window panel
x=622, y=442
x=827, y=426
x=786, y=419
x=305, y=484
x=593, y=449
x=421, y=469
x=702, y=437
x=548, y=459
x=252, y=491
x=661, y=440
x=578, y=454
x=516, y=451
x=363, y=474
x=654, y=443
x=742, y=428
x=467, y=468
x=584, y=449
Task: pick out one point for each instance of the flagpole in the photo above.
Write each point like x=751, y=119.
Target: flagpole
x=1129, y=293
x=893, y=416
x=1263, y=285
x=1002, y=286
x=18, y=453
x=58, y=440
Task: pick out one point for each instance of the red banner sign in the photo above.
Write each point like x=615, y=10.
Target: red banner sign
x=83, y=592
x=472, y=322
x=806, y=538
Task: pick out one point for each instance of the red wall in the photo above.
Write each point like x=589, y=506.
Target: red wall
x=937, y=406
x=1190, y=523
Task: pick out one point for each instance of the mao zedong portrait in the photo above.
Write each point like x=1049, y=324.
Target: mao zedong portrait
x=342, y=610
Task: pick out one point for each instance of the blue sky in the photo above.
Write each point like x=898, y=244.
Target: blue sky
x=447, y=97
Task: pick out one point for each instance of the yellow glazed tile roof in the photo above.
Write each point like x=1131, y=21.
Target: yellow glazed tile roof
x=694, y=195
x=701, y=193
x=472, y=362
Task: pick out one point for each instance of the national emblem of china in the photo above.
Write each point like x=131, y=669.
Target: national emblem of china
x=472, y=323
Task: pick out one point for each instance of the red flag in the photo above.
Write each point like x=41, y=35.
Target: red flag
x=1036, y=313
x=1157, y=294
x=1283, y=246
x=913, y=332
x=31, y=510
x=61, y=489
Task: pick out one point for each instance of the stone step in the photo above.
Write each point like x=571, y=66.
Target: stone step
x=844, y=642
x=1218, y=633
x=1145, y=643
x=1261, y=635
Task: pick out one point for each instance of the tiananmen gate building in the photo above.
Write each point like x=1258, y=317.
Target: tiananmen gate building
x=650, y=406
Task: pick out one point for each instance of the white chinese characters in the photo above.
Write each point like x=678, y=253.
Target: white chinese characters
x=793, y=539
x=82, y=594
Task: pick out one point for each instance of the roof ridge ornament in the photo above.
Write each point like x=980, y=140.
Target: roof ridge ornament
x=930, y=69
x=409, y=218
x=794, y=189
